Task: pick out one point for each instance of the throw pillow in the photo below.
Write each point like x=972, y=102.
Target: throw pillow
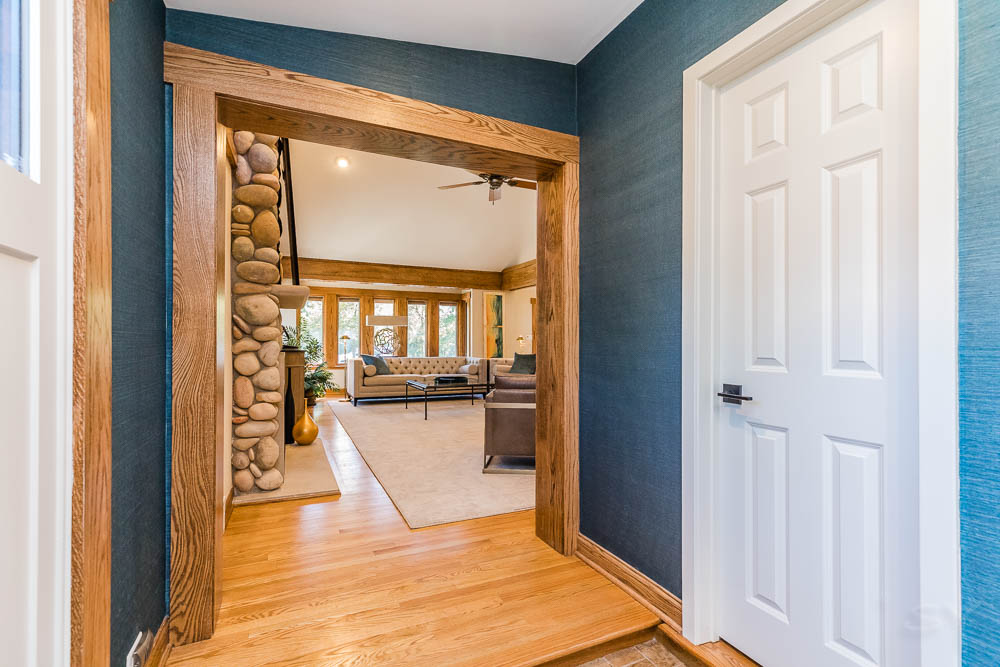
x=524, y=364
x=369, y=370
x=381, y=368
x=468, y=369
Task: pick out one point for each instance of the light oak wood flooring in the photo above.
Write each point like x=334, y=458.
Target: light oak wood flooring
x=345, y=581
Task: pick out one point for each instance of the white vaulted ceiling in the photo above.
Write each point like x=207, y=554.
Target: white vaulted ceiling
x=560, y=30
x=389, y=210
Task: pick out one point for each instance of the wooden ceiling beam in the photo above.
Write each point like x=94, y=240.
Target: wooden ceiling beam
x=393, y=274
x=519, y=276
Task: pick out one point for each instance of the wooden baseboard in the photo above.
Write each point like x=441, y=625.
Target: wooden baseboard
x=229, y=508
x=161, y=645
x=647, y=592
x=716, y=654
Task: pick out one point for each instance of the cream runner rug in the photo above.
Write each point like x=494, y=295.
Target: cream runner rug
x=433, y=470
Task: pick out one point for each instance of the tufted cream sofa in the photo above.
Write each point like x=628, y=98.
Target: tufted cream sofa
x=362, y=383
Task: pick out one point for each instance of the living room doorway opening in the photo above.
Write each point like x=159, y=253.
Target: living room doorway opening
x=414, y=288
x=214, y=93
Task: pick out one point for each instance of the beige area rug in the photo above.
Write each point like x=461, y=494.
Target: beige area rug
x=433, y=470
x=307, y=474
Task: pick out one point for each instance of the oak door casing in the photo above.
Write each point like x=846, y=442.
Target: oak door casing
x=557, y=360
x=209, y=88
x=195, y=538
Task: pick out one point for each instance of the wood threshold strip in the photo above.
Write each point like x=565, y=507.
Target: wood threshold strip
x=661, y=602
x=600, y=650
x=715, y=654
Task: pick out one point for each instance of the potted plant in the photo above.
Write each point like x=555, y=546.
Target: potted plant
x=318, y=378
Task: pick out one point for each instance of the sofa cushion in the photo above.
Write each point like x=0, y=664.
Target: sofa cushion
x=370, y=370
x=469, y=369
x=426, y=365
x=516, y=381
x=524, y=364
x=391, y=380
x=381, y=368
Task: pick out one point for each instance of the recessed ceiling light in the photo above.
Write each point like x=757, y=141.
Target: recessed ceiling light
x=343, y=162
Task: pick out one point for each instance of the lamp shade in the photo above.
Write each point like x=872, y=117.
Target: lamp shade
x=386, y=320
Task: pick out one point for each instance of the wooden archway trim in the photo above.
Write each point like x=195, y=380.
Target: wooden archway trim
x=211, y=89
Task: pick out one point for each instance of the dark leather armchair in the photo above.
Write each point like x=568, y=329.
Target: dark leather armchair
x=510, y=418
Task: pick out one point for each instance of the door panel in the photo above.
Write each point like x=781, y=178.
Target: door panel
x=36, y=336
x=817, y=260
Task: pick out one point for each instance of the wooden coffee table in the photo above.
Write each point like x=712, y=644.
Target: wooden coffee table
x=428, y=388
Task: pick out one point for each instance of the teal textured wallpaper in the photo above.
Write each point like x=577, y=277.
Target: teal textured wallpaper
x=629, y=116
x=979, y=327
x=139, y=328
x=526, y=90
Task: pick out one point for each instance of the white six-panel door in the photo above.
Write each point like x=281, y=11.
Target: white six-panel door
x=36, y=339
x=817, y=301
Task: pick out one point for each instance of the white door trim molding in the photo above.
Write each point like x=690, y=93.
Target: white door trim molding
x=789, y=24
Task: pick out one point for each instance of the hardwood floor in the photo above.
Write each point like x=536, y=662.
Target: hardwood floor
x=345, y=581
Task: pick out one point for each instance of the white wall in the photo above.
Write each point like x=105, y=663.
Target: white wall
x=517, y=320
x=390, y=210
x=477, y=345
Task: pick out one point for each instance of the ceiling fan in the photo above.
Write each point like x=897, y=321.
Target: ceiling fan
x=495, y=181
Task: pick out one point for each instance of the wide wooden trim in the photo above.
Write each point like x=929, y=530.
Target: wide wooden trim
x=160, y=651
x=647, y=592
x=519, y=276
x=198, y=367
x=90, y=542
x=340, y=114
x=210, y=88
x=715, y=654
x=558, y=360
x=392, y=274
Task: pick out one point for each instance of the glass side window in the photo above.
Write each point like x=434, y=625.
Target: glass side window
x=416, y=329
x=348, y=329
x=311, y=318
x=14, y=79
x=383, y=344
x=448, y=330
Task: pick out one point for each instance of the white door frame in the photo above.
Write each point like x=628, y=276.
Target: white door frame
x=937, y=352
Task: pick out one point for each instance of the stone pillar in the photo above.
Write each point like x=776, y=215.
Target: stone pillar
x=257, y=448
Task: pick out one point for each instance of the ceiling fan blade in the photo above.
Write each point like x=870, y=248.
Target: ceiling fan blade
x=495, y=194
x=459, y=185
x=527, y=185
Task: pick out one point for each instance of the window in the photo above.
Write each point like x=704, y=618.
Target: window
x=349, y=325
x=14, y=74
x=448, y=330
x=311, y=320
x=384, y=307
x=416, y=329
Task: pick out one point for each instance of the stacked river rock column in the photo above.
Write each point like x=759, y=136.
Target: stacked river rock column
x=256, y=318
